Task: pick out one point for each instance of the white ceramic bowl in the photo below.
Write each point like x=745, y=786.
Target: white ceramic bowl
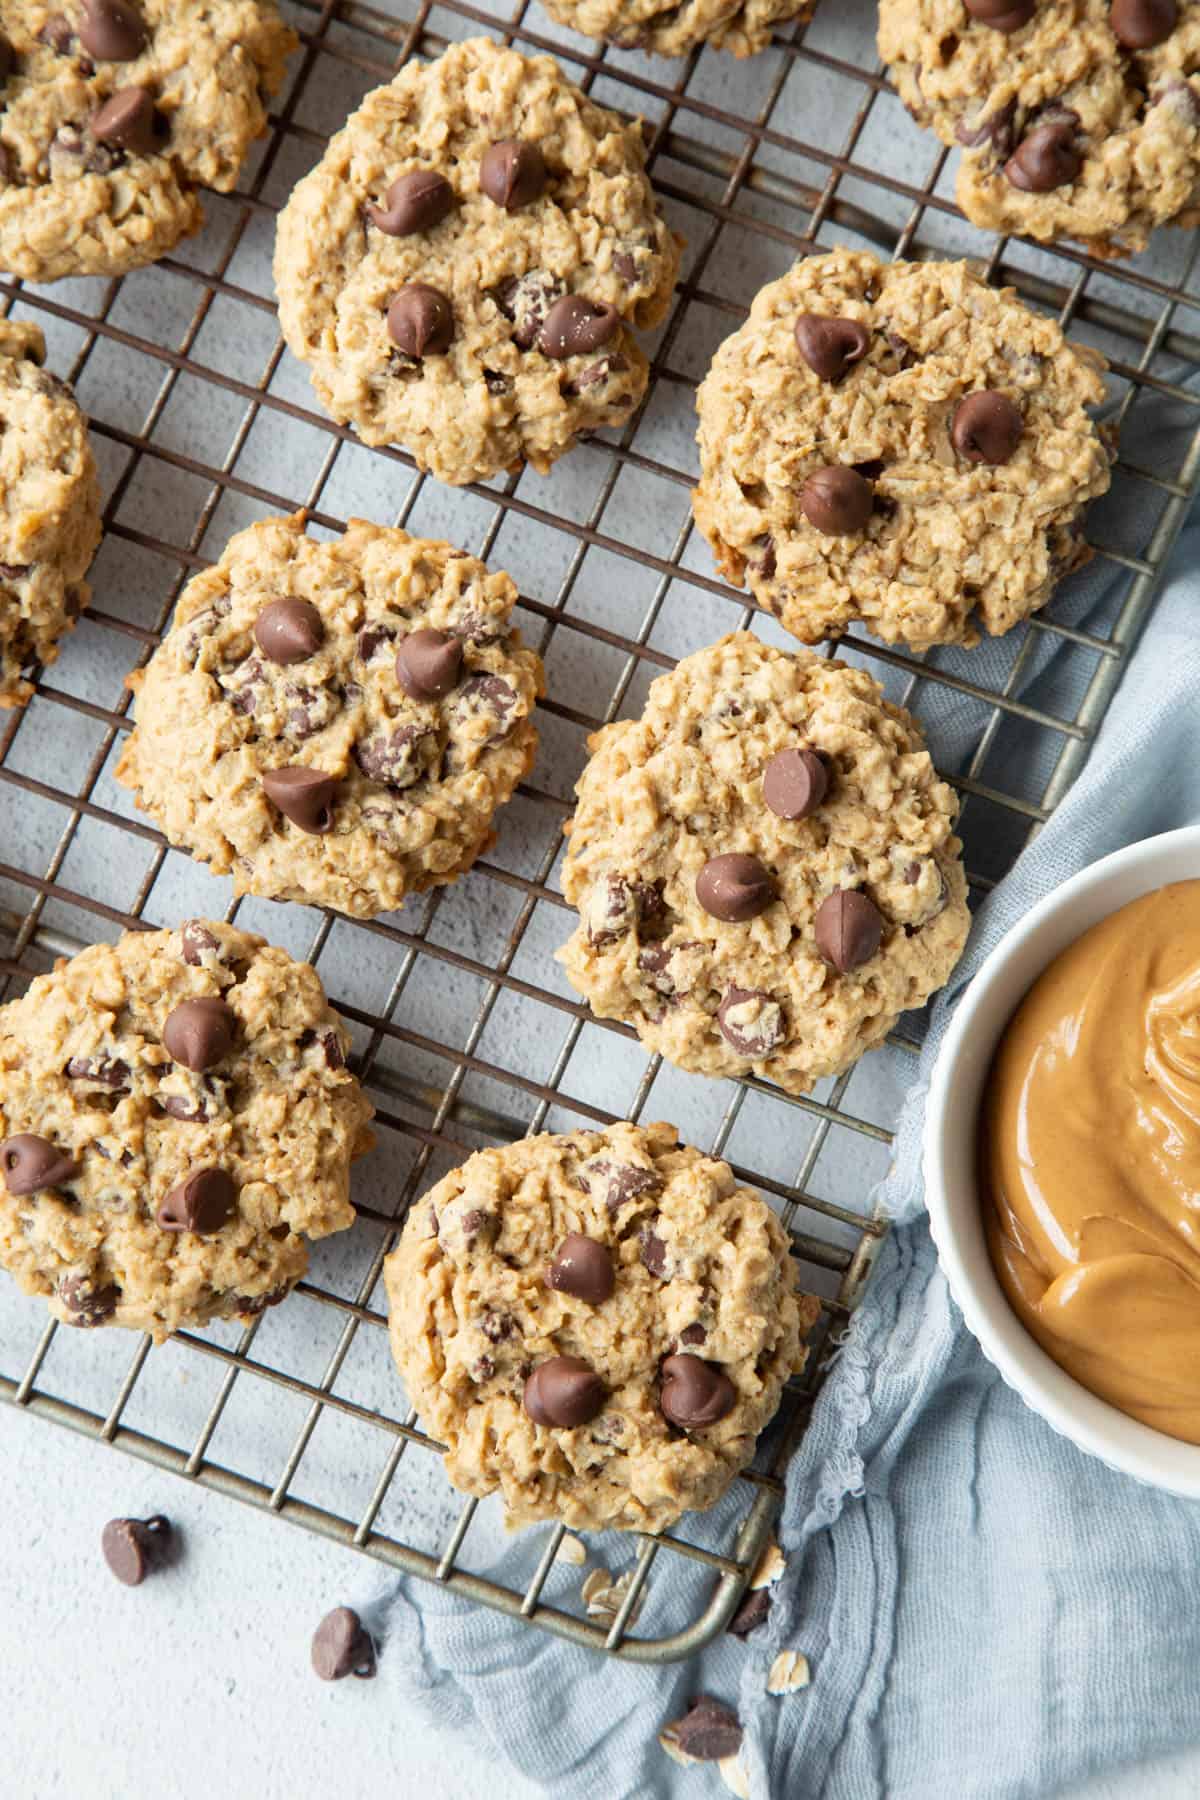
x=951, y=1177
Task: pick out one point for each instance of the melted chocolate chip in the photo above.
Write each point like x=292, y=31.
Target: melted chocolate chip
x=289, y=631
x=428, y=664
x=751, y=1021
x=1046, y=159
x=836, y=501
x=619, y=1183
x=343, y=1646
x=830, y=346
x=986, y=427
x=87, y=1303
x=653, y=1253
x=574, y=326
x=420, y=321
x=848, y=929
x=563, y=1392
x=107, y=1071
x=31, y=1163
x=695, y=1393
x=135, y=1548
x=394, y=758
x=708, y=1731
x=415, y=202
x=199, y=1033
x=372, y=638
x=305, y=796
x=202, y=1203
x=112, y=30
x=794, y=783
x=197, y=942
x=583, y=1268
x=512, y=173
x=735, y=888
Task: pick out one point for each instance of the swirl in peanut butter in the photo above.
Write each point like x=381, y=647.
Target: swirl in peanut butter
x=1091, y=1160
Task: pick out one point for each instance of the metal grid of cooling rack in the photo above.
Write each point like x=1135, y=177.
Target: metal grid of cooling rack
x=733, y=153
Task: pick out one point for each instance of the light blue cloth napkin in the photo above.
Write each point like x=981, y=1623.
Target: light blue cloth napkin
x=986, y=1611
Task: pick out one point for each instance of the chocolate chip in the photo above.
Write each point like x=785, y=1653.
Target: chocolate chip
x=495, y=1326
x=495, y=382
x=128, y=121
x=108, y=1071
x=708, y=1731
x=31, y=1163
x=986, y=427
x=1140, y=24
x=695, y=1392
x=333, y=1051
x=1002, y=15
x=112, y=30
x=303, y=795
x=202, y=1203
x=653, y=1253
x=594, y=374
x=197, y=941
x=734, y=888
x=794, y=783
x=574, y=326
x=618, y=1182
x=526, y=302
x=135, y=1548
x=394, y=758
x=582, y=1267
x=565, y=1391
x=848, y=929
x=512, y=173
x=415, y=202
x=752, y=1613
x=751, y=1021
x=831, y=346
x=1045, y=160
x=693, y=1334
x=289, y=631
x=56, y=33
x=420, y=321
x=198, y=1033
x=252, y=1306
x=836, y=501
x=343, y=1646
x=996, y=129
x=428, y=664
x=372, y=638
x=88, y=1304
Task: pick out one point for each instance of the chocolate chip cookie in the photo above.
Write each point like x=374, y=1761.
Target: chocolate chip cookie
x=335, y=723
x=901, y=444
x=597, y=1325
x=1076, y=118
x=462, y=267
x=114, y=111
x=177, y=1118
x=49, y=509
x=672, y=29
x=764, y=866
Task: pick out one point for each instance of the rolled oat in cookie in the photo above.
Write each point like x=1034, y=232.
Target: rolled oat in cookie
x=616, y=1402
x=744, y=916
x=1075, y=118
x=114, y=112
x=901, y=445
x=673, y=27
x=49, y=510
x=335, y=723
x=177, y=1119
x=464, y=268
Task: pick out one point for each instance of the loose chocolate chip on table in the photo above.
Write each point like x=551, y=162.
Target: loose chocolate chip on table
x=708, y=1731
x=1140, y=24
x=202, y=1203
x=420, y=321
x=751, y=1021
x=135, y=1548
x=195, y=939
x=583, y=1268
x=986, y=427
x=1002, y=15
x=794, y=783
x=289, y=631
x=734, y=888
x=88, y=1304
x=303, y=795
x=512, y=173
x=695, y=1392
x=831, y=346
x=198, y=1033
x=1045, y=160
x=428, y=664
x=112, y=30
x=565, y=1391
x=575, y=325
x=30, y=1162
x=128, y=121
x=848, y=929
x=750, y=1614
x=415, y=202
x=343, y=1646
x=836, y=501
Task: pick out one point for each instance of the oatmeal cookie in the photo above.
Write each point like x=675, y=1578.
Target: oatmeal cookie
x=764, y=865
x=462, y=267
x=177, y=1120
x=901, y=444
x=674, y=28
x=597, y=1325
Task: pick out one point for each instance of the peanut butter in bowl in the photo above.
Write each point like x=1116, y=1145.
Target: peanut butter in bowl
x=1090, y=1160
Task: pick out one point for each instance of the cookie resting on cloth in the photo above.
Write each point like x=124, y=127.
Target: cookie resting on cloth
x=462, y=268
x=898, y=444
x=1075, y=118
x=177, y=1119
x=335, y=723
x=113, y=112
x=764, y=865
x=596, y=1325
x=49, y=509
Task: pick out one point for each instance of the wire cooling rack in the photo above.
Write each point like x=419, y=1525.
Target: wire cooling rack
x=465, y=1033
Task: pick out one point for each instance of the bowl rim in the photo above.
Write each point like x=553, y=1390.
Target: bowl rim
x=955, y=1220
